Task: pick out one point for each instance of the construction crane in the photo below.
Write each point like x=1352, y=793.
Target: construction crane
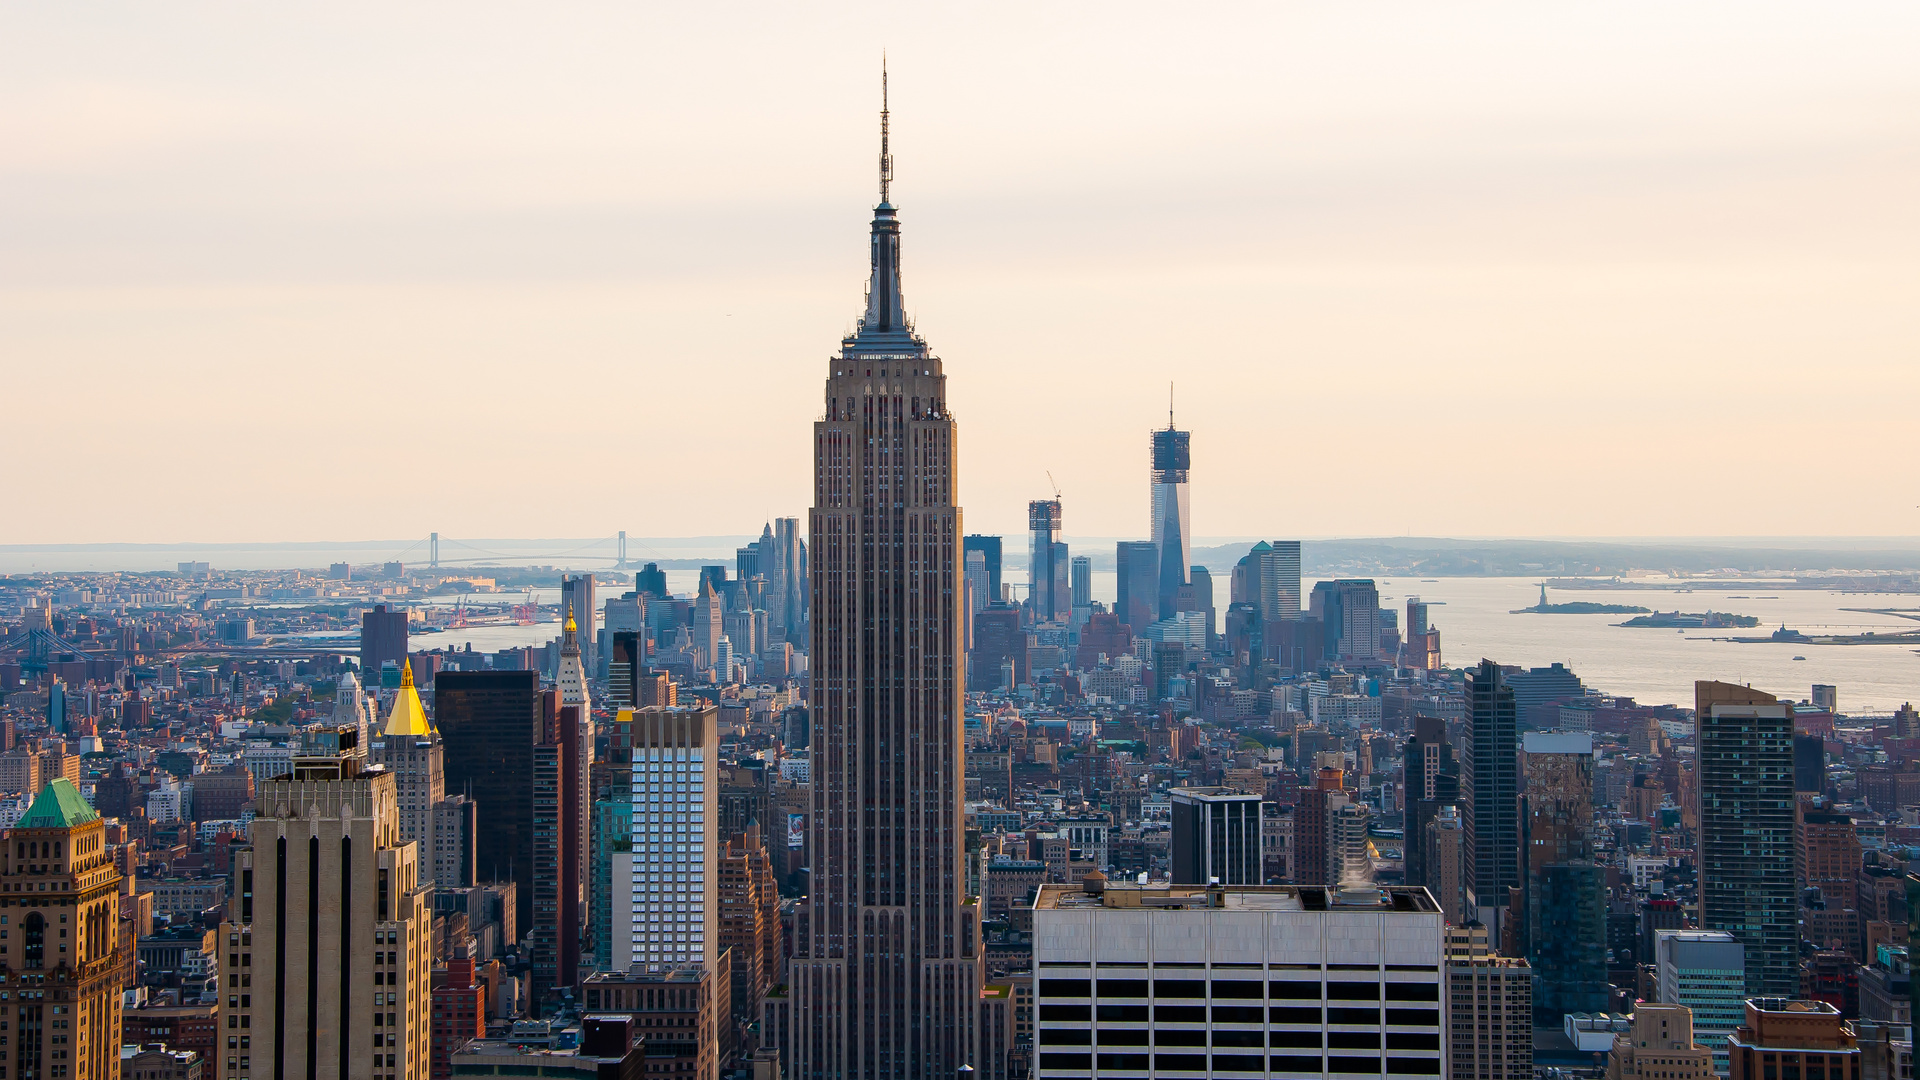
x=1056, y=485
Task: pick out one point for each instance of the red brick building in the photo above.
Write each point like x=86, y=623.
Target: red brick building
x=459, y=1012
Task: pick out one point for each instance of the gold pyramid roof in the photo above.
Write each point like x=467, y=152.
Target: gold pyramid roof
x=408, y=716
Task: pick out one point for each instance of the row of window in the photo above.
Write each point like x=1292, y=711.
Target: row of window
x=1241, y=1038
x=1216, y=989
x=1241, y=1014
x=1062, y=1066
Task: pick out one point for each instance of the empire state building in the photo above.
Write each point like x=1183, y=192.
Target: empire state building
x=887, y=966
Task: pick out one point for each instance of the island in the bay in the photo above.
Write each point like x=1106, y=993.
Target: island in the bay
x=1578, y=607
x=1689, y=620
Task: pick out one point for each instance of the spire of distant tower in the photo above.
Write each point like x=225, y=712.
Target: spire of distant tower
x=570, y=639
x=886, y=159
x=1169, y=406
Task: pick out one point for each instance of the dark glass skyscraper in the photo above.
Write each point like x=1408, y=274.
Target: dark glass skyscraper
x=383, y=638
x=1746, y=830
x=554, y=936
x=1215, y=837
x=1136, y=563
x=989, y=549
x=887, y=964
x=1489, y=793
x=489, y=721
x=1172, y=517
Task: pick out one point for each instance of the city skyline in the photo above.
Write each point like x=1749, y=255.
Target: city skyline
x=839, y=801
x=1681, y=207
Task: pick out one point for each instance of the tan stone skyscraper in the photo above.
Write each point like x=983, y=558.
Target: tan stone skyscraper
x=325, y=957
x=60, y=954
x=886, y=972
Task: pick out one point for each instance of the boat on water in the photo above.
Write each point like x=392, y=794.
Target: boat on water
x=1799, y=658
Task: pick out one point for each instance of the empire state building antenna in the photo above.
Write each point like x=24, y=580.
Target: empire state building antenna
x=886, y=159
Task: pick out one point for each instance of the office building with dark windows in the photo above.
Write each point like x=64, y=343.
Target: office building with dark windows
x=488, y=723
x=1746, y=830
x=1216, y=837
x=1489, y=798
x=383, y=641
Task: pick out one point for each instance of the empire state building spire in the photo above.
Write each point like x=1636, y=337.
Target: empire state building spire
x=886, y=159
x=886, y=310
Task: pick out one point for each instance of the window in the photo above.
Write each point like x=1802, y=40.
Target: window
x=34, y=930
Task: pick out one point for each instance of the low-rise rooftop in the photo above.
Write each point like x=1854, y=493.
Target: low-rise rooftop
x=1097, y=892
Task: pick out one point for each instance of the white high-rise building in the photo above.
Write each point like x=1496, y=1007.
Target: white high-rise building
x=1254, y=981
x=669, y=878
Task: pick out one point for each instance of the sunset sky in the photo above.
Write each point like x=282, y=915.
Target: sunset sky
x=355, y=270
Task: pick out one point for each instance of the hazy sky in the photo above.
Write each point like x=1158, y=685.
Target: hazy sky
x=285, y=271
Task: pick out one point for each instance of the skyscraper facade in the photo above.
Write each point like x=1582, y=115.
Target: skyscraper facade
x=66, y=988
x=1049, y=595
x=410, y=749
x=1489, y=792
x=1198, y=596
x=1216, y=837
x=383, y=640
x=989, y=549
x=330, y=925
x=1568, y=944
x=1746, y=830
x=709, y=623
x=1556, y=830
x=1350, y=610
x=789, y=599
x=576, y=599
x=1172, y=512
x=1268, y=577
x=611, y=866
x=489, y=722
x=1432, y=778
x=554, y=938
x=887, y=970
x=1137, y=567
x=572, y=683
x=668, y=881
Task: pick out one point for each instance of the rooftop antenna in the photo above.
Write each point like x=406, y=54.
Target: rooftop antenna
x=886, y=159
x=1169, y=406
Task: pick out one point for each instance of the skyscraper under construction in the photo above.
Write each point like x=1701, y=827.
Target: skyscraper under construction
x=887, y=966
x=1172, y=518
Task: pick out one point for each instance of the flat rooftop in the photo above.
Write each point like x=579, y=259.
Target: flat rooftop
x=1165, y=897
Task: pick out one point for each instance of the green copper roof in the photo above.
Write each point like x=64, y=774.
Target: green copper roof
x=58, y=806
